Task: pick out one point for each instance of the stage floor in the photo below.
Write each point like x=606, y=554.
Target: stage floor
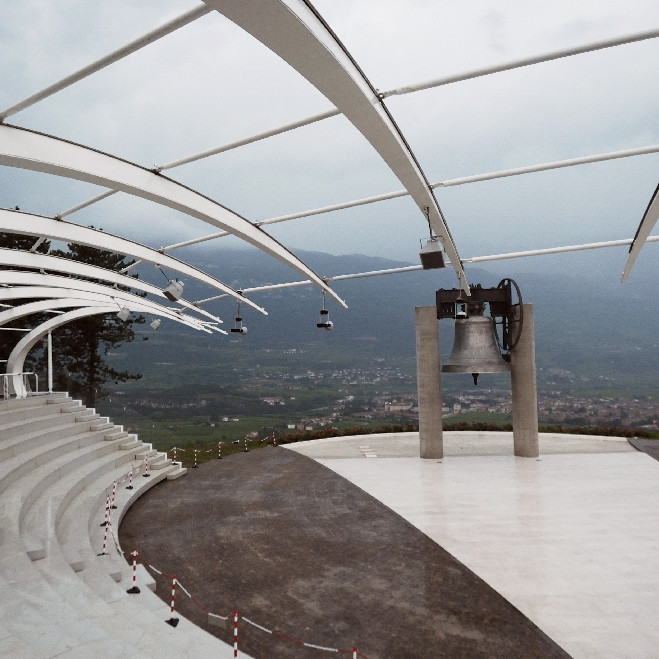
x=571, y=539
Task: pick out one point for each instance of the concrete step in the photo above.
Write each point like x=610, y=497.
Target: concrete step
x=31, y=402
x=44, y=438
x=42, y=505
x=102, y=423
x=116, y=433
x=73, y=406
x=46, y=609
x=131, y=443
x=160, y=461
x=176, y=473
x=55, y=398
x=86, y=415
x=18, y=464
x=10, y=414
x=23, y=427
x=80, y=529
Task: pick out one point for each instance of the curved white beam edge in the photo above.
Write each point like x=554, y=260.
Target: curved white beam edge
x=16, y=359
x=295, y=31
x=20, y=259
x=82, y=297
x=13, y=221
x=27, y=149
x=648, y=222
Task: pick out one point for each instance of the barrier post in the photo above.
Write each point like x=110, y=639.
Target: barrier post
x=114, y=494
x=246, y=449
x=172, y=620
x=130, y=479
x=134, y=590
x=105, y=537
x=219, y=450
x=235, y=634
x=106, y=520
x=146, y=473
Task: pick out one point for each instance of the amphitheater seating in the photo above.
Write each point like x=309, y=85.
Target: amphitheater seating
x=63, y=579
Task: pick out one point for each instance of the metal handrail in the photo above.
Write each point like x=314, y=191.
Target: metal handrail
x=26, y=383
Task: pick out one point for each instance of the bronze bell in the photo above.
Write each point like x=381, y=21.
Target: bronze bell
x=475, y=348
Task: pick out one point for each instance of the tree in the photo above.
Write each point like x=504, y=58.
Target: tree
x=80, y=347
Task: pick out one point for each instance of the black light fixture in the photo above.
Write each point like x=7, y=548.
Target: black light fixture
x=325, y=323
x=239, y=328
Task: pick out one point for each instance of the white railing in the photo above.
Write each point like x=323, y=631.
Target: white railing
x=10, y=382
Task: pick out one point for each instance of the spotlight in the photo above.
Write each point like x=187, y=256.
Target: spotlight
x=155, y=323
x=325, y=323
x=431, y=255
x=239, y=328
x=174, y=291
x=123, y=314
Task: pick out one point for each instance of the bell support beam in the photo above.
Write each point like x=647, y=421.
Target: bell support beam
x=525, y=389
x=429, y=388
x=296, y=33
x=35, y=151
x=19, y=259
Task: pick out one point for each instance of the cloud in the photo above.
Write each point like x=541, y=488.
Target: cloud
x=210, y=84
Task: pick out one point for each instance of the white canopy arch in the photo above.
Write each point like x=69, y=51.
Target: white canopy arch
x=45, y=262
x=84, y=296
x=35, y=151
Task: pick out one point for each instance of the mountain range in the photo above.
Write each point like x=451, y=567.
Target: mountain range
x=587, y=325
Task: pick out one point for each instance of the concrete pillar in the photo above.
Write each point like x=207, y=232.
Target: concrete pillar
x=524, y=389
x=428, y=383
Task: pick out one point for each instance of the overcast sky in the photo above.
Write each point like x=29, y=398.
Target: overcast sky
x=209, y=84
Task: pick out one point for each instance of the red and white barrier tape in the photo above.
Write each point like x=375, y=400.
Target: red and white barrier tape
x=174, y=621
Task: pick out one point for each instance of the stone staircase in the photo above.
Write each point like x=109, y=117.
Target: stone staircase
x=63, y=580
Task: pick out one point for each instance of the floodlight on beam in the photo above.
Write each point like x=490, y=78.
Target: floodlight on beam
x=174, y=291
x=432, y=255
x=123, y=313
x=155, y=323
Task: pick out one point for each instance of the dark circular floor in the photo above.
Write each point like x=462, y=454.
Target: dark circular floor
x=300, y=550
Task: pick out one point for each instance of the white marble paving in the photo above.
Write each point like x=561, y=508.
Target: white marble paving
x=571, y=539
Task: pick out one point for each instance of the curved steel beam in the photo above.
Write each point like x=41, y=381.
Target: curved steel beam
x=16, y=359
x=38, y=225
x=56, y=303
x=27, y=149
x=92, y=294
x=650, y=218
x=21, y=259
x=296, y=32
